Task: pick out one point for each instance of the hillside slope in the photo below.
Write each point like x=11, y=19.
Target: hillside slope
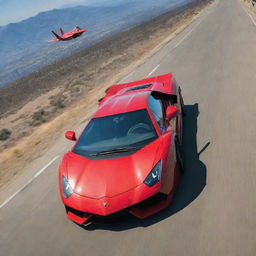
x=24, y=47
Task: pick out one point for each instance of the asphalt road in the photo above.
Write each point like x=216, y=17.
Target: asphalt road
x=214, y=211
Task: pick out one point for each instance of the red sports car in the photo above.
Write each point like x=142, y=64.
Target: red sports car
x=128, y=158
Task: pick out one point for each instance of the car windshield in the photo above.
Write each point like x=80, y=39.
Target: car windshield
x=115, y=133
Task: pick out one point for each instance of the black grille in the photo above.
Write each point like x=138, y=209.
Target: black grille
x=117, y=217
x=76, y=212
x=139, y=87
x=151, y=200
x=108, y=219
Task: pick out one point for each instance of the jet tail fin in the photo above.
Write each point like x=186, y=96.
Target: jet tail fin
x=61, y=31
x=57, y=36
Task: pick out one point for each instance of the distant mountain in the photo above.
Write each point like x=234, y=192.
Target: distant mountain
x=24, y=47
x=96, y=3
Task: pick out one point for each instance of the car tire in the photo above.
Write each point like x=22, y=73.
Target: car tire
x=179, y=156
x=181, y=103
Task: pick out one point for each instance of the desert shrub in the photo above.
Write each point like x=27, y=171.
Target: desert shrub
x=17, y=153
x=58, y=101
x=39, y=117
x=5, y=134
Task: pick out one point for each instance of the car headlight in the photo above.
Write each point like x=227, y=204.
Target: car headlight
x=66, y=187
x=155, y=175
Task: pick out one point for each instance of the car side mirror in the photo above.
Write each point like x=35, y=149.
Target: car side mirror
x=70, y=135
x=171, y=112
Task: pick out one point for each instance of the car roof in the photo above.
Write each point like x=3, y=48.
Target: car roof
x=130, y=101
x=127, y=97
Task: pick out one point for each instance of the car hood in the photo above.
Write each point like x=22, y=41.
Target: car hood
x=110, y=177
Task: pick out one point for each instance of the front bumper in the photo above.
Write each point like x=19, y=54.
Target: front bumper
x=80, y=209
x=141, y=210
x=141, y=202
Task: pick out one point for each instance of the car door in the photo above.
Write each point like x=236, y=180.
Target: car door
x=158, y=106
x=180, y=106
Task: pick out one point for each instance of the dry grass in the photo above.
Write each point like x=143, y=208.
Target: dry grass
x=251, y=7
x=5, y=134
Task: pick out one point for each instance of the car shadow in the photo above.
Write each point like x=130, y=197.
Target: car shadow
x=191, y=184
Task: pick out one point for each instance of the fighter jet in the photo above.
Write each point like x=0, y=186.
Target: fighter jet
x=74, y=33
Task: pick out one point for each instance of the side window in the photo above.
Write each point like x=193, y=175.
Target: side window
x=156, y=108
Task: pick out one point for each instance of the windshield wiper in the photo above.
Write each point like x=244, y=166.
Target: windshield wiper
x=115, y=150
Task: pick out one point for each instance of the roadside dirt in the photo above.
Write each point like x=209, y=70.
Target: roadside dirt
x=47, y=102
x=250, y=6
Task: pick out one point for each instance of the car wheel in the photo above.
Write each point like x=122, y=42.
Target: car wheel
x=179, y=156
x=182, y=105
x=183, y=111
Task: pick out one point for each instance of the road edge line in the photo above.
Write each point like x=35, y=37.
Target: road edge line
x=28, y=182
x=252, y=19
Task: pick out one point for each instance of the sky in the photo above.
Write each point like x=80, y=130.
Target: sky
x=17, y=10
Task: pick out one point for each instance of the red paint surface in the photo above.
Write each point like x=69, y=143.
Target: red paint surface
x=107, y=186
x=74, y=33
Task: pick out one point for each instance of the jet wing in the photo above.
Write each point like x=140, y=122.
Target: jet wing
x=54, y=40
x=57, y=38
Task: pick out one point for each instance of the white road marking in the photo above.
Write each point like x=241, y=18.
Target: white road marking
x=30, y=181
x=129, y=75
x=253, y=21
x=187, y=35
x=183, y=38
x=153, y=70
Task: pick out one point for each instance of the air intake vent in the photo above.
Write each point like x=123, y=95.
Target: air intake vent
x=139, y=87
